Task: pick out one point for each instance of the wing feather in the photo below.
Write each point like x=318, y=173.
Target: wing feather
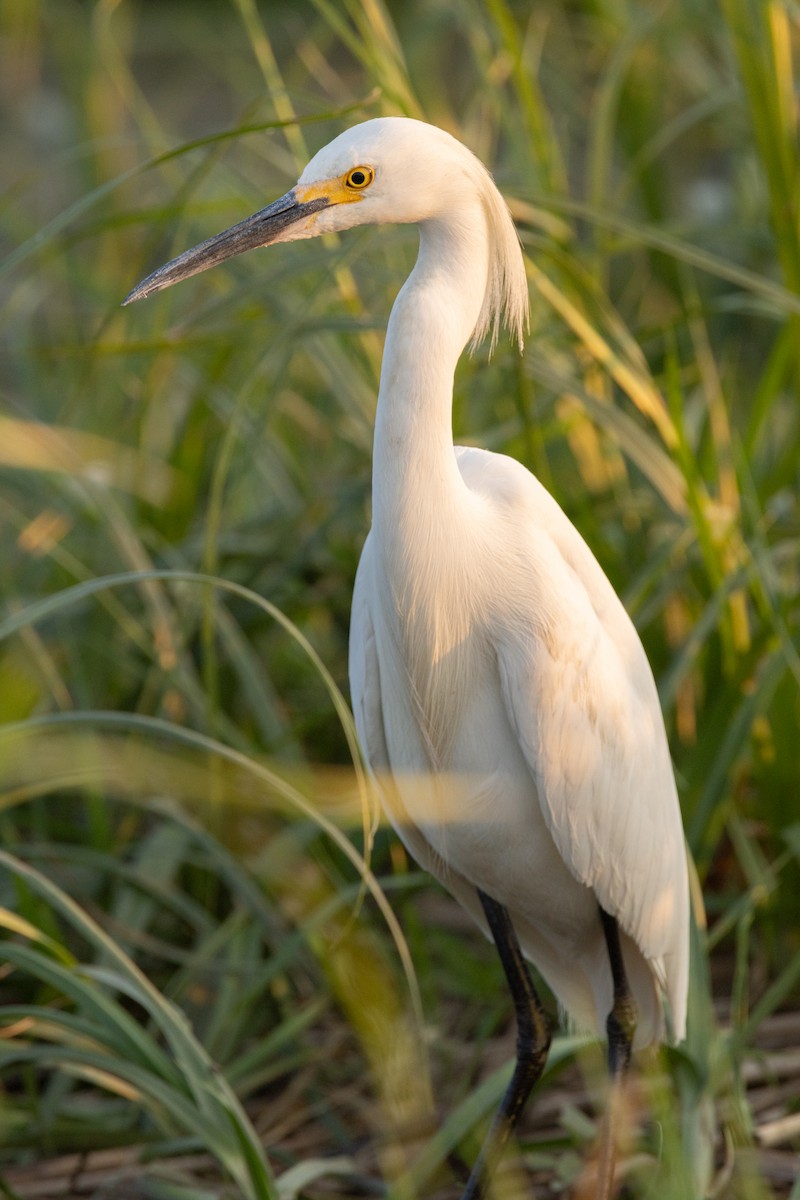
x=367, y=695
x=364, y=671
x=581, y=698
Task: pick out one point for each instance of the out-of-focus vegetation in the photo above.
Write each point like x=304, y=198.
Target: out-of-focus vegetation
x=199, y=962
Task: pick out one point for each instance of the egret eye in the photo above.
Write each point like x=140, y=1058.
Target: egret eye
x=359, y=178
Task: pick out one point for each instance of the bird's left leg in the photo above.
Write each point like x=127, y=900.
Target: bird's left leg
x=620, y=1028
x=533, y=1043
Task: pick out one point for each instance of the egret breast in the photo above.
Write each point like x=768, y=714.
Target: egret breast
x=473, y=800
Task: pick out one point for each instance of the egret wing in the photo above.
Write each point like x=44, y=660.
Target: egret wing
x=587, y=717
x=367, y=694
x=580, y=696
x=364, y=669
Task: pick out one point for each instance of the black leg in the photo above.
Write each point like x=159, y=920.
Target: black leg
x=533, y=1042
x=621, y=1023
x=620, y=1027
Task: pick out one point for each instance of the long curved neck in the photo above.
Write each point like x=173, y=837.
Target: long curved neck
x=414, y=468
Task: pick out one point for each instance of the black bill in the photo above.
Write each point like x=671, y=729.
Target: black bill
x=259, y=230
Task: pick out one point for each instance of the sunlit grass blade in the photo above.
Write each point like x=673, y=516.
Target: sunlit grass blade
x=108, y=1022
x=636, y=233
x=188, y=1086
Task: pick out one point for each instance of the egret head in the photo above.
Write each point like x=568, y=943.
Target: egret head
x=391, y=169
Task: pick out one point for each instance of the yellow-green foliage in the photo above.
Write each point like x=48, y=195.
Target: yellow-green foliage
x=193, y=870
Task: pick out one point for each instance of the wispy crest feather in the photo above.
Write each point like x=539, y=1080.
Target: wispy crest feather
x=506, y=300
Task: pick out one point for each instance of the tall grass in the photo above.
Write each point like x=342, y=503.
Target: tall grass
x=201, y=953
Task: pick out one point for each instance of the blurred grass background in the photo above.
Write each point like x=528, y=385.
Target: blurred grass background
x=202, y=975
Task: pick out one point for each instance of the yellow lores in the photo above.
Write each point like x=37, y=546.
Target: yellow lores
x=343, y=190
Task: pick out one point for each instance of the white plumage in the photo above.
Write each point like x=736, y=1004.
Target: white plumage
x=501, y=693
x=495, y=674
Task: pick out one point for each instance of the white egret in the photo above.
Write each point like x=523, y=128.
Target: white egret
x=500, y=690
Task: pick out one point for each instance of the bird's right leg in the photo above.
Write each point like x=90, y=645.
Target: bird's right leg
x=620, y=1028
x=533, y=1043
x=621, y=1023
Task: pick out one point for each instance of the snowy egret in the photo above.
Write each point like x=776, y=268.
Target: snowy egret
x=500, y=690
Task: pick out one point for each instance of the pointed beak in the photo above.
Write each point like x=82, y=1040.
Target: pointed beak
x=267, y=225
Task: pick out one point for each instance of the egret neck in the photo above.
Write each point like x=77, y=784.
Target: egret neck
x=414, y=470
